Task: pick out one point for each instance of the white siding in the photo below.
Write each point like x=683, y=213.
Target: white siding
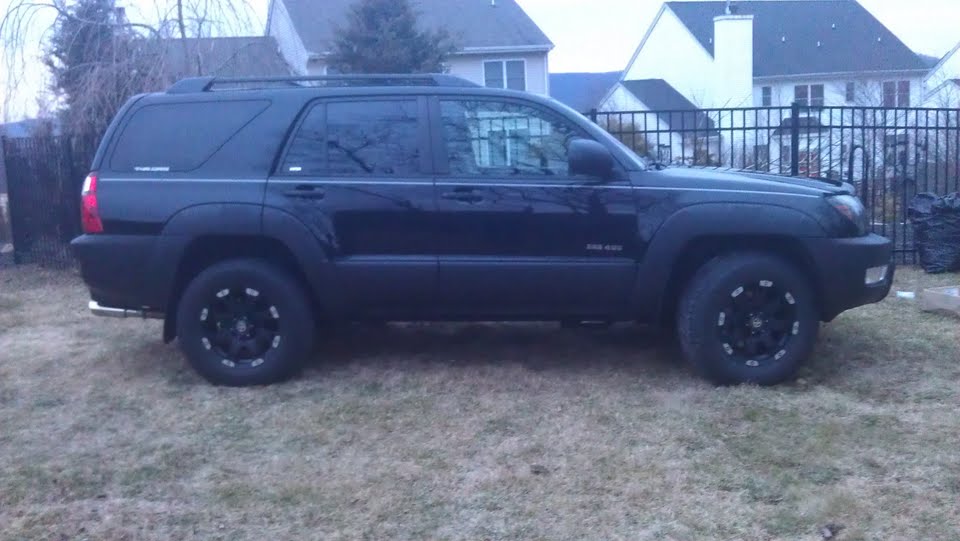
x=470, y=67
x=942, y=91
x=869, y=91
x=291, y=46
x=672, y=53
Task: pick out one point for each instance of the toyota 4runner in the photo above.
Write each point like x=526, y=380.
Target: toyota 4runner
x=245, y=213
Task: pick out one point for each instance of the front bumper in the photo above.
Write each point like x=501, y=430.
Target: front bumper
x=842, y=267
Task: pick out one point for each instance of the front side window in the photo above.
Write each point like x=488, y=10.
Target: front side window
x=766, y=96
x=488, y=138
x=509, y=74
x=851, y=94
x=357, y=138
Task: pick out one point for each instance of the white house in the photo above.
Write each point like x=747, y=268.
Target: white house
x=498, y=44
x=943, y=83
x=761, y=53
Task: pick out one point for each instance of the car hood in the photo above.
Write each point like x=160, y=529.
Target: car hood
x=746, y=181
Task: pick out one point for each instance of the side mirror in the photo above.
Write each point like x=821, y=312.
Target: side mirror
x=590, y=158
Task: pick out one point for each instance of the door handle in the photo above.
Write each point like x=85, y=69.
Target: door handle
x=306, y=191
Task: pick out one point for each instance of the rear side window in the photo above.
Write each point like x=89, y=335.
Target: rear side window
x=180, y=136
x=357, y=138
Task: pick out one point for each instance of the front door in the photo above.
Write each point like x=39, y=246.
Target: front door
x=519, y=236
x=357, y=174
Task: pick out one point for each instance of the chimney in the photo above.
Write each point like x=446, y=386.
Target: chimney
x=733, y=60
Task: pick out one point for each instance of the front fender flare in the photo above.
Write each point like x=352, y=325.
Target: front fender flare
x=708, y=220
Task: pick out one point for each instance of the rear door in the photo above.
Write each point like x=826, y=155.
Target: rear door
x=356, y=172
x=518, y=235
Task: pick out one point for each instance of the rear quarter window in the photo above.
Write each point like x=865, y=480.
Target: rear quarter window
x=180, y=136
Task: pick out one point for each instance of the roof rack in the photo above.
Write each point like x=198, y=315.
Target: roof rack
x=207, y=84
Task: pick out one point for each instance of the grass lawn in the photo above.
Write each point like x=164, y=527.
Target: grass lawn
x=473, y=432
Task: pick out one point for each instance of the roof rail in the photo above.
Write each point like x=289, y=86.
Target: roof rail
x=206, y=84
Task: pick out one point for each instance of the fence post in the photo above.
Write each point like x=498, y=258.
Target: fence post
x=795, y=139
x=593, y=115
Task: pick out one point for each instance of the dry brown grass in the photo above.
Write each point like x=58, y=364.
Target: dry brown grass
x=472, y=432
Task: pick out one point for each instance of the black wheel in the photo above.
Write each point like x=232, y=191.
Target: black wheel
x=245, y=322
x=748, y=318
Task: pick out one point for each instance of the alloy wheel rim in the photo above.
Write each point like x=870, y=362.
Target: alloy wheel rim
x=757, y=322
x=240, y=325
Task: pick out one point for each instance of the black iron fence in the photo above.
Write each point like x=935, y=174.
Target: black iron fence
x=44, y=178
x=888, y=154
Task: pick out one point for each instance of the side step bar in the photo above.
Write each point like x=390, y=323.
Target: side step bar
x=106, y=311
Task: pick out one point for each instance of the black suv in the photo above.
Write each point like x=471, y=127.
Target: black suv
x=246, y=213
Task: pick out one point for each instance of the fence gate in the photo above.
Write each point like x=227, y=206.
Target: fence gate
x=44, y=179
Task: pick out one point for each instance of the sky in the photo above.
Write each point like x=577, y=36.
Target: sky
x=601, y=35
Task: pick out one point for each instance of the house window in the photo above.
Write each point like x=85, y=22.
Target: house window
x=810, y=95
x=766, y=96
x=761, y=157
x=895, y=151
x=511, y=74
x=664, y=153
x=896, y=94
x=851, y=94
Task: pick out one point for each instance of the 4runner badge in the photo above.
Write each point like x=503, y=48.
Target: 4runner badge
x=604, y=247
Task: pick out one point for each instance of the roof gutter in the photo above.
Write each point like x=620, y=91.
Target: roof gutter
x=519, y=49
x=844, y=74
x=543, y=48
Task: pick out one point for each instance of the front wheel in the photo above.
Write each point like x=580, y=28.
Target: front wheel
x=245, y=322
x=748, y=318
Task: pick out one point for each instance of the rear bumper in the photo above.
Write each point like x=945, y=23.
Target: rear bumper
x=114, y=267
x=842, y=267
x=105, y=311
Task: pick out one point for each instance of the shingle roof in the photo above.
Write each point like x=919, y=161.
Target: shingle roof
x=929, y=61
x=471, y=23
x=671, y=107
x=582, y=91
x=256, y=56
x=850, y=38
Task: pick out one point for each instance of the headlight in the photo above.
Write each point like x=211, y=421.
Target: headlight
x=852, y=210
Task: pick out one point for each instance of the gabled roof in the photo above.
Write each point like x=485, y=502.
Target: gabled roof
x=256, y=56
x=472, y=24
x=671, y=107
x=582, y=91
x=795, y=37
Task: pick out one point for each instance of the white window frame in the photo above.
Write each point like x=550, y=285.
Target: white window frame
x=768, y=90
x=810, y=93
x=503, y=72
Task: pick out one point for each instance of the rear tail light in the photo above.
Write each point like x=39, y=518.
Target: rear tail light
x=89, y=210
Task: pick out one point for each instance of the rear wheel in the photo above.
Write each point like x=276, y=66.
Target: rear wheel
x=245, y=322
x=748, y=318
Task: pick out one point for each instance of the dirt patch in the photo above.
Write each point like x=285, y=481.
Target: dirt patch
x=472, y=432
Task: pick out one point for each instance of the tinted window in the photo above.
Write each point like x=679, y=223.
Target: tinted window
x=487, y=138
x=357, y=138
x=180, y=136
